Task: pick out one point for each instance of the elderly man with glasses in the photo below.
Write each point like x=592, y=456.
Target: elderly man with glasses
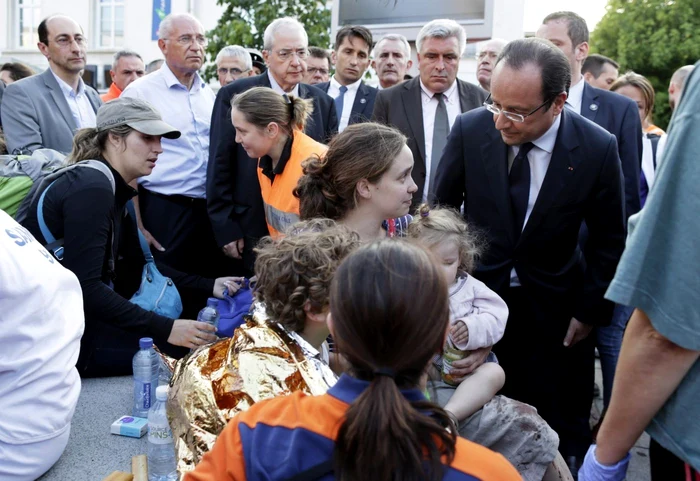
x=529, y=172
x=44, y=111
x=233, y=62
x=172, y=200
x=233, y=193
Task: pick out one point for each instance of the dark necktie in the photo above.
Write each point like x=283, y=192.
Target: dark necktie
x=441, y=128
x=339, y=101
x=519, y=180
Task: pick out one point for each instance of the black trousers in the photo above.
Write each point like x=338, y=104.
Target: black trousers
x=181, y=225
x=107, y=351
x=540, y=371
x=666, y=466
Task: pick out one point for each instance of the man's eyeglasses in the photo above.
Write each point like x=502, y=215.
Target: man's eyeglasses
x=314, y=71
x=186, y=40
x=511, y=115
x=65, y=42
x=301, y=53
x=232, y=71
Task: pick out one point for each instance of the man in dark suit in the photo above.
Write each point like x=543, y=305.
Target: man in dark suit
x=44, y=111
x=354, y=100
x=615, y=113
x=234, y=201
x=425, y=108
x=527, y=183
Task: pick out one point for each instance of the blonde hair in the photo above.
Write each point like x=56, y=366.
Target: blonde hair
x=433, y=226
x=262, y=105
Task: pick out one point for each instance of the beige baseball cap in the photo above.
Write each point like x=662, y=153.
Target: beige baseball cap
x=137, y=114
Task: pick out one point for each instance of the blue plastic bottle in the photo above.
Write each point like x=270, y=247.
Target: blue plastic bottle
x=210, y=314
x=146, y=366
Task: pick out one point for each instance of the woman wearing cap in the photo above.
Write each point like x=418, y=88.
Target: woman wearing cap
x=83, y=208
x=270, y=128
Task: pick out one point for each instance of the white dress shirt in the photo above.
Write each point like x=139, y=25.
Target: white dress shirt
x=79, y=103
x=348, y=101
x=430, y=105
x=575, y=98
x=539, y=158
x=182, y=167
x=276, y=87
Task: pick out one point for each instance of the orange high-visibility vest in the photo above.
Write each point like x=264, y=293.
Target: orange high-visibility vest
x=113, y=93
x=281, y=207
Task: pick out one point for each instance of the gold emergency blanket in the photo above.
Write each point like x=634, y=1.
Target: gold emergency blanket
x=214, y=383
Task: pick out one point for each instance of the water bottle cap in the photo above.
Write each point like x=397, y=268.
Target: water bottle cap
x=212, y=302
x=145, y=343
x=162, y=393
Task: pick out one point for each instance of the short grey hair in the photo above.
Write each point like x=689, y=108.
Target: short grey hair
x=235, y=51
x=681, y=74
x=166, y=25
x=121, y=54
x=279, y=24
x=442, y=28
x=394, y=37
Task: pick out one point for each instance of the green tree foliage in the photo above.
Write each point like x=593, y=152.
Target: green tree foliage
x=244, y=22
x=653, y=38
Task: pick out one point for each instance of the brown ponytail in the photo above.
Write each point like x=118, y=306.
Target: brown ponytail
x=397, y=327
x=89, y=144
x=328, y=187
x=262, y=105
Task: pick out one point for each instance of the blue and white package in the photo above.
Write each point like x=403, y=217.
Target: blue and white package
x=130, y=426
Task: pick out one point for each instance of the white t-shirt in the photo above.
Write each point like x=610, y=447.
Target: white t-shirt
x=41, y=323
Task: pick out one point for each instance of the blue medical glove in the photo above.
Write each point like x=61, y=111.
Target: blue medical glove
x=592, y=470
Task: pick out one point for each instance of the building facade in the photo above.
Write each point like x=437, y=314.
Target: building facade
x=109, y=26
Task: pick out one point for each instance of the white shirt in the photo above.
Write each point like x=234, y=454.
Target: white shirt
x=79, y=103
x=648, y=158
x=182, y=167
x=430, y=105
x=575, y=98
x=348, y=101
x=41, y=324
x=276, y=87
x=539, y=158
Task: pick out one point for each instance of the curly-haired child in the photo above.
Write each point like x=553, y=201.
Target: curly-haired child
x=477, y=314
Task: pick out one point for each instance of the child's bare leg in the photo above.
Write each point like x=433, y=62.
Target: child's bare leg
x=476, y=390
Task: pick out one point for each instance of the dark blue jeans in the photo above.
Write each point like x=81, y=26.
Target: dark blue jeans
x=608, y=342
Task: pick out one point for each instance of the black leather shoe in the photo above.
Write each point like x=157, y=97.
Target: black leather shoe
x=574, y=463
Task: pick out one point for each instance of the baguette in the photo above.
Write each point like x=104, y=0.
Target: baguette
x=139, y=467
x=119, y=476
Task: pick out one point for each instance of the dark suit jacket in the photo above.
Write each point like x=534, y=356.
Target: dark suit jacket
x=619, y=116
x=401, y=106
x=362, y=106
x=583, y=182
x=234, y=201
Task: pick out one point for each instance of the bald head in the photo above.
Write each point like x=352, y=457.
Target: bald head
x=62, y=42
x=675, y=89
x=177, y=20
x=486, y=60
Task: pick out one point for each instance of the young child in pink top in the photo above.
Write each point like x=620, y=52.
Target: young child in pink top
x=477, y=314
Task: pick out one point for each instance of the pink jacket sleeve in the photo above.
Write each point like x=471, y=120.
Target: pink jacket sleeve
x=487, y=320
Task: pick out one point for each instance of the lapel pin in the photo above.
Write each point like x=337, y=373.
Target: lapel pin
x=593, y=107
x=571, y=168
x=363, y=101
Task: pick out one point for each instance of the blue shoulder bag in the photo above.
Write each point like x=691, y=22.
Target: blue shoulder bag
x=157, y=293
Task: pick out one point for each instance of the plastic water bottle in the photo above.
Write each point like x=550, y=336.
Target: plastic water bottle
x=146, y=367
x=210, y=314
x=161, y=450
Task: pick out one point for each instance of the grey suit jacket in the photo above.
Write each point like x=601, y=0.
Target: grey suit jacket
x=401, y=107
x=35, y=114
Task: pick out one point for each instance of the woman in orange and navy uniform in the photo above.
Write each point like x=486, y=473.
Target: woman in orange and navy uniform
x=375, y=423
x=270, y=128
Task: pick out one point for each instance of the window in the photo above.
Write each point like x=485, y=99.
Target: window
x=110, y=23
x=28, y=17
